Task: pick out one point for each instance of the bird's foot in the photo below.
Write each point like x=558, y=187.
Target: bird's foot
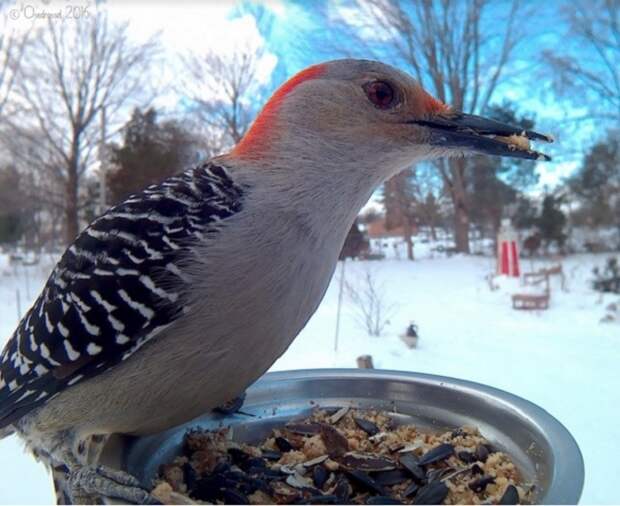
x=87, y=482
x=232, y=406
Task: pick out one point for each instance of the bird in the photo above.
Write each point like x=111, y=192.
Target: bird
x=176, y=300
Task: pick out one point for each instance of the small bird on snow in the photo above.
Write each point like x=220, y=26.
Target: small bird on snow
x=174, y=301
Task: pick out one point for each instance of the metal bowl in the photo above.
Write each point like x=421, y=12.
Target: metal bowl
x=541, y=447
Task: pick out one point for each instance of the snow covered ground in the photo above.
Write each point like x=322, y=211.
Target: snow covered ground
x=562, y=359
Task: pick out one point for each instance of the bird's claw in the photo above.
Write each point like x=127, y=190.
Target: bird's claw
x=232, y=406
x=103, y=481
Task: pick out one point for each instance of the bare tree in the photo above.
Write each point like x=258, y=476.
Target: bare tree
x=12, y=44
x=399, y=204
x=589, y=65
x=458, y=49
x=70, y=74
x=428, y=194
x=223, y=89
x=368, y=297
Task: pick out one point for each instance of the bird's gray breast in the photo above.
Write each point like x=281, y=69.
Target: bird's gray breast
x=253, y=288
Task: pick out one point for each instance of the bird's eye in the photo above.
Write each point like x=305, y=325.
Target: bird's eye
x=380, y=93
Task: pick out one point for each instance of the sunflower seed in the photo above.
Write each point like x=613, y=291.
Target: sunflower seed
x=366, y=462
x=335, y=418
x=298, y=481
x=482, y=453
x=382, y=499
x=319, y=476
x=315, y=461
x=411, y=463
x=271, y=454
x=366, y=425
x=467, y=457
x=438, y=474
x=335, y=442
x=411, y=489
x=389, y=478
x=366, y=481
x=322, y=499
x=283, y=444
x=342, y=490
x=377, y=437
x=304, y=429
x=232, y=496
x=433, y=493
x=511, y=495
x=481, y=483
x=441, y=452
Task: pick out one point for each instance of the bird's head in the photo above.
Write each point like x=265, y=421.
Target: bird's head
x=350, y=114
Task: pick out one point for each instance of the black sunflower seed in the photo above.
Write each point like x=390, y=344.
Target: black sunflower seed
x=254, y=484
x=482, y=453
x=342, y=490
x=232, y=496
x=190, y=476
x=256, y=462
x=511, y=495
x=481, y=483
x=411, y=463
x=238, y=456
x=382, y=499
x=283, y=444
x=221, y=467
x=209, y=488
x=476, y=469
x=304, y=429
x=335, y=442
x=411, y=489
x=367, y=462
x=271, y=454
x=389, y=478
x=365, y=481
x=366, y=425
x=467, y=457
x=438, y=474
x=322, y=499
x=255, y=471
x=433, y=493
x=441, y=452
x=319, y=476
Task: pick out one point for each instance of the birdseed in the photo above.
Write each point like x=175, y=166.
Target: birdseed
x=361, y=458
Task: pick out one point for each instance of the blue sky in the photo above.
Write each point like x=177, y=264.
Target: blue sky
x=295, y=36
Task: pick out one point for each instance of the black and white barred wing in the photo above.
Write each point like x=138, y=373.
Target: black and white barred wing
x=119, y=284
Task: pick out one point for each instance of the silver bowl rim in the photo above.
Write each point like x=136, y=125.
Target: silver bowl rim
x=568, y=476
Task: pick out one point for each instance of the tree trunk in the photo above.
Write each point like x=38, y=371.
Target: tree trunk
x=461, y=213
x=71, y=206
x=433, y=231
x=407, y=231
x=461, y=228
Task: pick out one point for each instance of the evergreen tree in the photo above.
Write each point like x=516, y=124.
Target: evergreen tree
x=597, y=184
x=151, y=151
x=497, y=182
x=355, y=243
x=552, y=221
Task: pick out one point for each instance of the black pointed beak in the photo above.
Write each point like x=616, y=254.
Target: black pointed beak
x=468, y=132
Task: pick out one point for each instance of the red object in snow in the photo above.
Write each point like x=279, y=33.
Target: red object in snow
x=507, y=251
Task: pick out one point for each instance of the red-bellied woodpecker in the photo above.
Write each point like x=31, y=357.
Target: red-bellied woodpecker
x=176, y=300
